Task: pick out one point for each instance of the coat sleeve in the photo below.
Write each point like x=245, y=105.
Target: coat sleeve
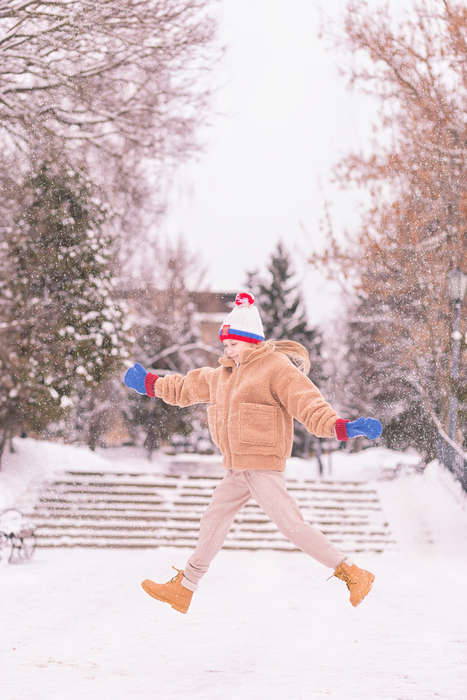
x=186, y=390
x=304, y=401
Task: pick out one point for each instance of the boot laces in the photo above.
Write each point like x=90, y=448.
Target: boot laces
x=347, y=579
x=179, y=571
x=344, y=576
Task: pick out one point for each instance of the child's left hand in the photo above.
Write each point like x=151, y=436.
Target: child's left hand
x=369, y=427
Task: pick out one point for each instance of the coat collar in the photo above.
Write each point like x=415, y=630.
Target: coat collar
x=256, y=352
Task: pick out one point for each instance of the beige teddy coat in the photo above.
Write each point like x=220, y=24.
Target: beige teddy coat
x=252, y=406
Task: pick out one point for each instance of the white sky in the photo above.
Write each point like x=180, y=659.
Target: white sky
x=281, y=119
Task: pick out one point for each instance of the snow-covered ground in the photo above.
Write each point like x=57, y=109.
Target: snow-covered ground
x=75, y=624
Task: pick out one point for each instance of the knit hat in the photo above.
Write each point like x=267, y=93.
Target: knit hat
x=243, y=322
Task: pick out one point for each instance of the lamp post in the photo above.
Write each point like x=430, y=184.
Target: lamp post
x=457, y=281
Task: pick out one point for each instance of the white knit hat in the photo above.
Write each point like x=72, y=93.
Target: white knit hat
x=243, y=322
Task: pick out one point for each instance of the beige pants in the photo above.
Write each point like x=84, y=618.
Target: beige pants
x=269, y=490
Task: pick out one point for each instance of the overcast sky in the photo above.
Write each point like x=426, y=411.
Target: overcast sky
x=282, y=118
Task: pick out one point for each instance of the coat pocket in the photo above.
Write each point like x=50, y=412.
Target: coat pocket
x=258, y=425
x=212, y=423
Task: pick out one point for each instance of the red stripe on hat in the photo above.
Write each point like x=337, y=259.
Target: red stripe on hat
x=227, y=333
x=245, y=339
x=224, y=334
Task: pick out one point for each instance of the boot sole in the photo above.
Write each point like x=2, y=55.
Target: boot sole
x=147, y=590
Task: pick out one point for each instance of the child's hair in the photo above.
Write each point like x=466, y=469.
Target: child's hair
x=297, y=353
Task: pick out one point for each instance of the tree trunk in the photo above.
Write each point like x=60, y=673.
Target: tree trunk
x=3, y=440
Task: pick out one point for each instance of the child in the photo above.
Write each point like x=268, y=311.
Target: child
x=253, y=397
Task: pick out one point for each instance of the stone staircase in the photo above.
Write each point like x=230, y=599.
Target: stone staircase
x=137, y=510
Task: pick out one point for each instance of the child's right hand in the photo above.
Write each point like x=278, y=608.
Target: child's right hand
x=369, y=427
x=140, y=380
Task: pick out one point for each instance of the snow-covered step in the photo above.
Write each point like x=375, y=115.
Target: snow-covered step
x=130, y=508
x=100, y=512
x=115, y=519
x=111, y=527
x=155, y=519
x=119, y=509
x=72, y=539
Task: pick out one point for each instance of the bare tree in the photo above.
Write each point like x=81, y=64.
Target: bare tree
x=399, y=322
x=119, y=82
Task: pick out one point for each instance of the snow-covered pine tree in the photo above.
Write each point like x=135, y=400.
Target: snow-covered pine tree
x=284, y=315
x=63, y=328
x=283, y=309
x=375, y=380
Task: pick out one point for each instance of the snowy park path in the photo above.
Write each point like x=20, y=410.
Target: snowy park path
x=76, y=625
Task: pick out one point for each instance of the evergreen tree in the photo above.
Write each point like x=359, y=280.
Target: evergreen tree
x=375, y=380
x=63, y=329
x=283, y=312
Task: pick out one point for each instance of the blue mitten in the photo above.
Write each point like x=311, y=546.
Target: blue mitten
x=135, y=378
x=369, y=427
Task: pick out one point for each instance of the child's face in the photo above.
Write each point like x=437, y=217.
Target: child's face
x=235, y=349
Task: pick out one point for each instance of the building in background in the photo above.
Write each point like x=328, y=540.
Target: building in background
x=210, y=309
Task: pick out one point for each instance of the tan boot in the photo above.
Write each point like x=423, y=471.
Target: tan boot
x=359, y=581
x=172, y=592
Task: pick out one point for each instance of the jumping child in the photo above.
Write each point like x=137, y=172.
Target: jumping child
x=260, y=386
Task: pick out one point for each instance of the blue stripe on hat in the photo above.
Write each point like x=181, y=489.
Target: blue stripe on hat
x=244, y=334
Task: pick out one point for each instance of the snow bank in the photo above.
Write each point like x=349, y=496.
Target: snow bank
x=427, y=512
x=35, y=460
x=367, y=465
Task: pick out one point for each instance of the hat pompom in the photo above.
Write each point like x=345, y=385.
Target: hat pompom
x=244, y=299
